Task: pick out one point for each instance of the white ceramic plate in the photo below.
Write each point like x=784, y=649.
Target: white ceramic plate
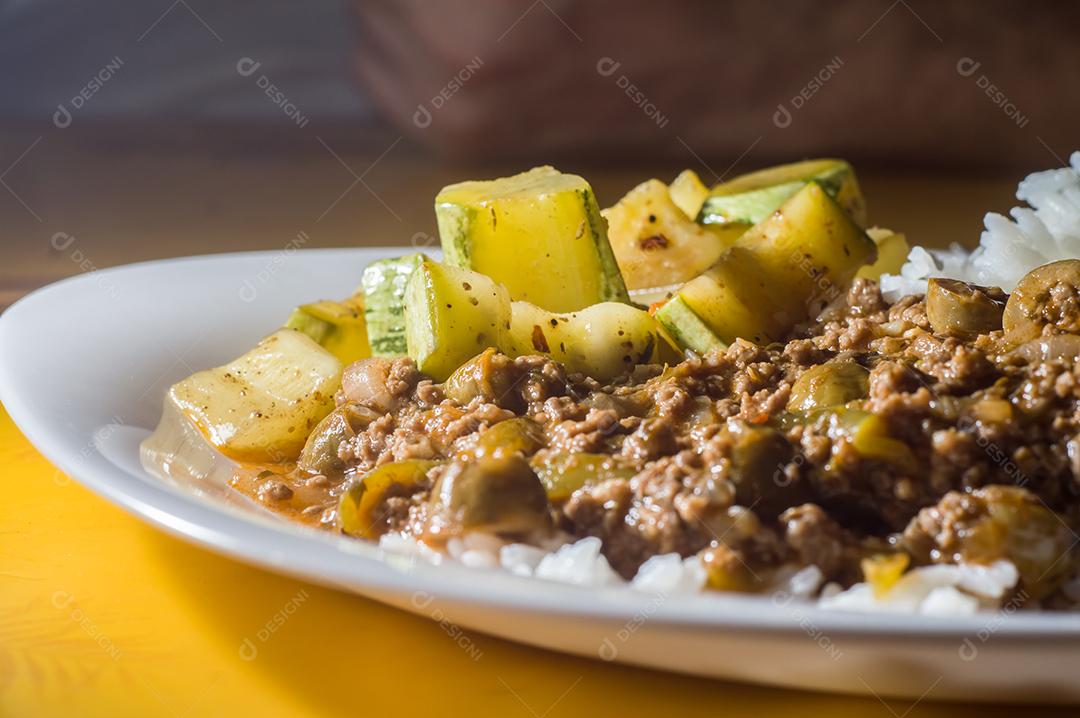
x=84, y=365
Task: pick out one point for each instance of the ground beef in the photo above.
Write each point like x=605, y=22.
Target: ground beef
x=275, y=491
x=418, y=431
x=652, y=439
x=819, y=541
x=402, y=377
x=937, y=533
x=589, y=434
x=1061, y=313
x=708, y=457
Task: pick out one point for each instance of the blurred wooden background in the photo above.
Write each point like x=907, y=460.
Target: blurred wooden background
x=90, y=197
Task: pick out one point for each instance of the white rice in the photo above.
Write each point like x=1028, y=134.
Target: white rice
x=579, y=563
x=476, y=549
x=1045, y=231
x=669, y=574
x=932, y=590
x=805, y=582
x=929, y=590
x=948, y=601
x=521, y=559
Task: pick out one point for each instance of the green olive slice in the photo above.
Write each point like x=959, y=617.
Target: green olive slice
x=357, y=507
x=962, y=309
x=831, y=384
x=1047, y=295
x=493, y=494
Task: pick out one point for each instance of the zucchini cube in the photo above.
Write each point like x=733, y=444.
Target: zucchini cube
x=538, y=233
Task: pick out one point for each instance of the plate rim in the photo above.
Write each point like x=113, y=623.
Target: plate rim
x=239, y=536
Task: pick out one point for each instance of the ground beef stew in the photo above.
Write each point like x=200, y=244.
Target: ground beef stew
x=928, y=428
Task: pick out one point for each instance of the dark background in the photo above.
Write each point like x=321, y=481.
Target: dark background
x=144, y=129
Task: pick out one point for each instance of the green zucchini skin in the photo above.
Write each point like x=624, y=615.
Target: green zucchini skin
x=383, y=285
x=612, y=285
x=687, y=328
x=752, y=197
x=451, y=315
x=453, y=221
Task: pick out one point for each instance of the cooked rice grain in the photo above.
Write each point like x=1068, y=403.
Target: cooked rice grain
x=1045, y=231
